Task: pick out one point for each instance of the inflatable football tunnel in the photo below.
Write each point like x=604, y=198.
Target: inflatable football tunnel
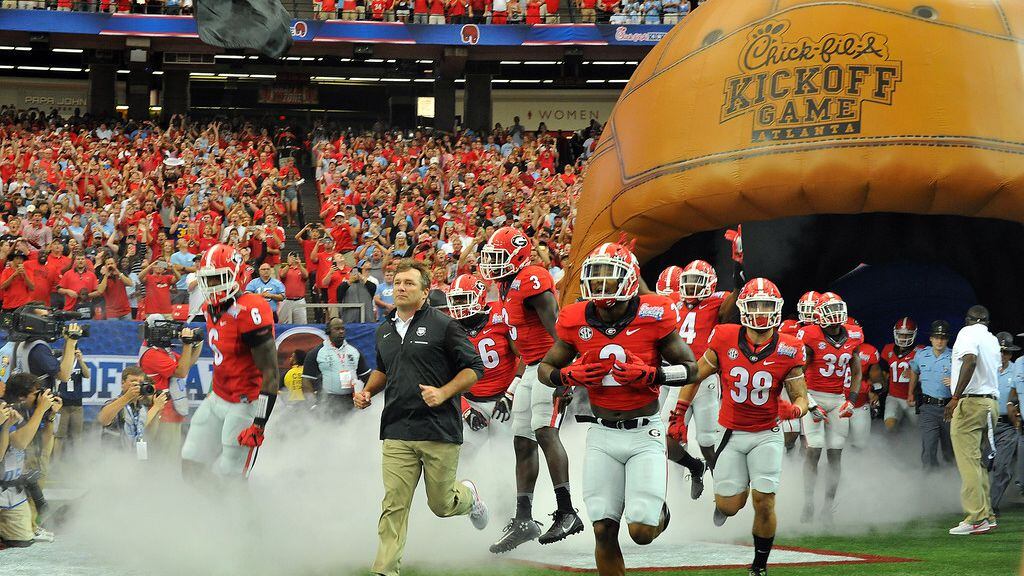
x=783, y=110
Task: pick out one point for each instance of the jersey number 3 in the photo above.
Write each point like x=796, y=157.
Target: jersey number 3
x=760, y=386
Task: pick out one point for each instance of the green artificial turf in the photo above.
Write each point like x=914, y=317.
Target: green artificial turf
x=925, y=540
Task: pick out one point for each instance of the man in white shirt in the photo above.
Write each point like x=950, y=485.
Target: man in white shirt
x=973, y=412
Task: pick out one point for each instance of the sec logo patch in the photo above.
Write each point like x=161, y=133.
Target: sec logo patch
x=733, y=353
x=821, y=345
x=586, y=333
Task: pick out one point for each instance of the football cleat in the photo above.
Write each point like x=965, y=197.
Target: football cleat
x=758, y=571
x=478, y=514
x=516, y=532
x=697, y=481
x=563, y=525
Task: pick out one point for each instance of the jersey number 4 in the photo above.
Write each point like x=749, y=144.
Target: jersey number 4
x=756, y=388
x=688, y=331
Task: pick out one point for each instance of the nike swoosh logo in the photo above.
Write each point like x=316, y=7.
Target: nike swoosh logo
x=768, y=363
x=386, y=335
x=631, y=332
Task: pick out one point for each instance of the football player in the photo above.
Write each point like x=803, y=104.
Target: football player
x=896, y=358
x=701, y=307
x=792, y=429
x=227, y=429
x=832, y=364
x=872, y=381
x=754, y=362
x=488, y=400
x=530, y=310
x=621, y=338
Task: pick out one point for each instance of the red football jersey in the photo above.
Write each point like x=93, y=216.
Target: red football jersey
x=649, y=318
x=791, y=326
x=899, y=369
x=491, y=342
x=525, y=327
x=829, y=367
x=234, y=371
x=696, y=322
x=869, y=356
x=752, y=381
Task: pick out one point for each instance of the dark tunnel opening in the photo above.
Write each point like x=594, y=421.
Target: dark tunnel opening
x=885, y=265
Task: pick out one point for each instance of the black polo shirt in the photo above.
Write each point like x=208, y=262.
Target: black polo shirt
x=434, y=350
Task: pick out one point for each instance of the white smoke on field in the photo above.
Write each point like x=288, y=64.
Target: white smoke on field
x=312, y=504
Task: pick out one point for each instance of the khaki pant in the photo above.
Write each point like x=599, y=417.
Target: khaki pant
x=165, y=445
x=402, y=465
x=69, y=431
x=970, y=424
x=16, y=521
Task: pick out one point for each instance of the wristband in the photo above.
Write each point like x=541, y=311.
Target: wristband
x=556, y=377
x=264, y=406
x=512, y=387
x=672, y=375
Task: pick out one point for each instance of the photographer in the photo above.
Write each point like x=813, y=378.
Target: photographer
x=168, y=369
x=35, y=408
x=134, y=416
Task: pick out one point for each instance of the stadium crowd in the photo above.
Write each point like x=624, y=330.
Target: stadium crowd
x=417, y=11
x=108, y=218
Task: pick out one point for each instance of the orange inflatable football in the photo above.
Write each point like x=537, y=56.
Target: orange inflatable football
x=759, y=109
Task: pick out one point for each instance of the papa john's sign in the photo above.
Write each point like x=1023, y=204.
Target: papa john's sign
x=807, y=88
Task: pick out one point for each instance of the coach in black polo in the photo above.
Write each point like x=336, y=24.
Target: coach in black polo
x=424, y=363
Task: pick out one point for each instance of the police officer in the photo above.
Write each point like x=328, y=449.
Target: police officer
x=1006, y=429
x=931, y=368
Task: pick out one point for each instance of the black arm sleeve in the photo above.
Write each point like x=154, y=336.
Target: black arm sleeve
x=362, y=370
x=460, y=350
x=258, y=336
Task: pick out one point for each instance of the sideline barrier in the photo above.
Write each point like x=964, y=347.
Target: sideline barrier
x=115, y=344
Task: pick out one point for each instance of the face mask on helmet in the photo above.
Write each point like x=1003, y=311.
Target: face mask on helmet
x=462, y=304
x=217, y=285
x=805, y=311
x=904, y=338
x=696, y=284
x=831, y=313
x=760, y=312
x=495, y=263
x=606, y=281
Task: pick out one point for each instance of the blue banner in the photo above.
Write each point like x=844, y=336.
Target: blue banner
x=114, y=344
x=346, y=31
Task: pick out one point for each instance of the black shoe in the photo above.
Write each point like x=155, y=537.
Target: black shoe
x=718, y=518
x=697, y=481
x=563, y=524
x=517, y=531
x=758, y=571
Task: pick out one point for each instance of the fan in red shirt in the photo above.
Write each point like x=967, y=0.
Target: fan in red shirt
x=43, y=277
x=621, y=339
x=488, y=401
x=896, y=358
x=530, y=310
x=227, y=430
x=754, y=362
x=833, y=363
x=168, y=370
x=78, y=282
x=16, y=282
x=701, y=308
x=157, y=277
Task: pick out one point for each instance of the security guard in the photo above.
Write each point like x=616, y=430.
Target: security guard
x=931, y=368
x=1006, y=431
